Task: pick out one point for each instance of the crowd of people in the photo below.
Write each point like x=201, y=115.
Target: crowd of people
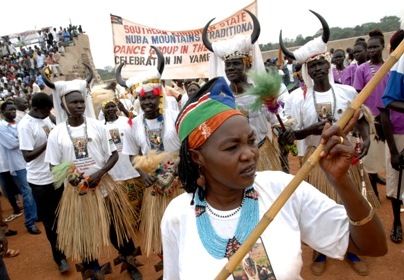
x=20, y=64
x=194, y=166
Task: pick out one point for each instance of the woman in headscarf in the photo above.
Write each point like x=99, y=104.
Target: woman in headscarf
x=225, y=198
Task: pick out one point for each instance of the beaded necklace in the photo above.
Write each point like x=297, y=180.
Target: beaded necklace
x=154, y=137
x=78, y=147
x=334, y=107
x=217, y=246
x=228, y=215
x=372, y=67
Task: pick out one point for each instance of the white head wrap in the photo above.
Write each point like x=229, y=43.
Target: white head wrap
x=312, y=50
x=64, y=87
x=146, y=81
x=237, y=47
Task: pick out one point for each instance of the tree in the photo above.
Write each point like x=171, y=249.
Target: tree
x=386, y=24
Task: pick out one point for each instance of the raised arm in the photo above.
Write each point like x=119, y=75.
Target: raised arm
x=367, y=235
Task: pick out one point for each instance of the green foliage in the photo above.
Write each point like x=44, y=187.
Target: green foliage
x=106, y=74
x=386, y=24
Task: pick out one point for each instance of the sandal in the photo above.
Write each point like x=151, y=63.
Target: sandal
x=396, y=234
x=12, y=217
x=11, y=253
x=10, y=232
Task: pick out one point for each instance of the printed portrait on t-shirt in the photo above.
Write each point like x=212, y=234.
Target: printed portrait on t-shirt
x=255, y=265
x=80, y=147
x=116, y=139
x=46, y=129
x=324, y=112
x=155, y=139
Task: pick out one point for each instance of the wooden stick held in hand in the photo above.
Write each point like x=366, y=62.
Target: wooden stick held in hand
x=307, y=167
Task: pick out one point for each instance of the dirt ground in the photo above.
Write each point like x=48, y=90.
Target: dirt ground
x=35, y=259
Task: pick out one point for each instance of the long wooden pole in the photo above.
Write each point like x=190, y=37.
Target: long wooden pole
x=307, y=167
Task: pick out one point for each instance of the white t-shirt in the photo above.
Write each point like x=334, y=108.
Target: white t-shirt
x=308, y=216
x=32, y=133
x=135, y=135
x=301, y=107
x=88, y=159
x=262, y=120
x=123, y=168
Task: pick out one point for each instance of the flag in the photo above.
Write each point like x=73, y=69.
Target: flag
x=116, y=19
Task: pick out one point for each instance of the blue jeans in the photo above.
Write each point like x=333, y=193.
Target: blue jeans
x=27, y=198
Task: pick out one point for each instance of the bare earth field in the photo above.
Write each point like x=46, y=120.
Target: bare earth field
x=35, y=259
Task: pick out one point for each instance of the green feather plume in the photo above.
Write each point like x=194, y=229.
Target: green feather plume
x=60, y=173
x=265, y=86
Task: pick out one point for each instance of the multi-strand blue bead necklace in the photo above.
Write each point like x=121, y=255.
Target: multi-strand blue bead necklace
x=220, y=247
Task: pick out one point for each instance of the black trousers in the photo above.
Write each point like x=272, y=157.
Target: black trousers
x=3, y=270
x=47, y=200
x=10, y=189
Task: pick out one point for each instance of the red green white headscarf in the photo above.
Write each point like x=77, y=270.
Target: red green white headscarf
x=205, y=112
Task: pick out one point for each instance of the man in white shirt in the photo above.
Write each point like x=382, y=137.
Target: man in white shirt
x=17, y=164
x=33, y=130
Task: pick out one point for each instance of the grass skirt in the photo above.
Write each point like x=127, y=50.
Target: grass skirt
x=84, y=220
x=153, y=207
x=269, y=157
x=134, y=189
x=318, y=179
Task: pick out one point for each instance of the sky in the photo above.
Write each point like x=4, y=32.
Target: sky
x=176, y=15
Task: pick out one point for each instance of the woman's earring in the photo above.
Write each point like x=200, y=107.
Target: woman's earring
x=201, y=181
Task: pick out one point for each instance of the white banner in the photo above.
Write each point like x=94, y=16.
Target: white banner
x=184, y=52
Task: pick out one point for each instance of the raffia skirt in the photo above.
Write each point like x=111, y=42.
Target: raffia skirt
x=360, y=178
x=84, y=220
x=153, y=206
x=269, y=157
x=134, y=189
x=374, y=161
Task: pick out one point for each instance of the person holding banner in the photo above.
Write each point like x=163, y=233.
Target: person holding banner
x=239, y=55
x=392, y=118
x=225, y=198
x=323, y=102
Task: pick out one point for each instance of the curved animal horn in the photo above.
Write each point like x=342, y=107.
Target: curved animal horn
x=254, y=35
x=205, y=39
x=47, y=82
x=257, y=27
x=160, y=60
x=326, y=28
x=285, y=51
x=325, y=37
x=118, y=76
x=90, y=74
